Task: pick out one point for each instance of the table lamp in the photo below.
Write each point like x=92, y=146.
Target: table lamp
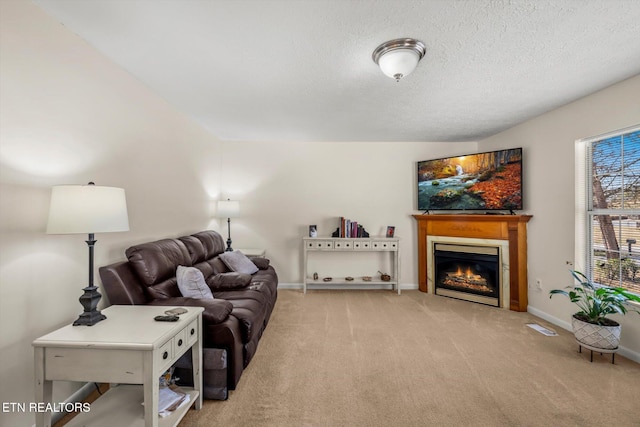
x=88, y=209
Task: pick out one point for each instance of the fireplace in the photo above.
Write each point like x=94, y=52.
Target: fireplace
x=468, y=272
x=509, y=232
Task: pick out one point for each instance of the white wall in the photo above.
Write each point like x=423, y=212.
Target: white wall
x=549, y=144
x=285, y=187
x=69, y=116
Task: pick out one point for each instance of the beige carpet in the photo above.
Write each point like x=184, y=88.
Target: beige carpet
x=373, y=358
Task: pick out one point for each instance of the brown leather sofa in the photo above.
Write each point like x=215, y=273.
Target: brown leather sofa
x=233, y=321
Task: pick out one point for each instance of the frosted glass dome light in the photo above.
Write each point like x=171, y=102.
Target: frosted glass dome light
x=398, y=58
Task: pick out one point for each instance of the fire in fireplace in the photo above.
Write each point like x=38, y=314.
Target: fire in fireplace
x=469, y=272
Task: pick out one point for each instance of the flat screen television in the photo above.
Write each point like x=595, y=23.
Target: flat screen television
x=488, y=181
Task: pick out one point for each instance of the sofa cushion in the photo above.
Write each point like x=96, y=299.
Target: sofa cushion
x=230, y=280
x=165, y=289
x=261, y=263
x=155, y=262
x=211, y=241
x=250, y=312
x=237, y=261
x=267, y=280
x=206, y=268
x=192, y=284
x=219, y=266
x=196, y=249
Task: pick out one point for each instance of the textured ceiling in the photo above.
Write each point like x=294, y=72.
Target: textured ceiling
x=286, y=70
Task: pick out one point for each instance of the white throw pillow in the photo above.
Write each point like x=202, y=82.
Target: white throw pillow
x=192, y=284
x=238, y=262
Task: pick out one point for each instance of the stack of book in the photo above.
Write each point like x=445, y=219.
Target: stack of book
x=351, y=229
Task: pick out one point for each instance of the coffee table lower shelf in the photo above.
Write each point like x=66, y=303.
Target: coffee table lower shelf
x=122, y=406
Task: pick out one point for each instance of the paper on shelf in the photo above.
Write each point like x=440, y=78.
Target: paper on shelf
x=170, y=399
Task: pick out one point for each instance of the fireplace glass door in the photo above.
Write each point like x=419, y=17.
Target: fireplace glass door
x=469, y=272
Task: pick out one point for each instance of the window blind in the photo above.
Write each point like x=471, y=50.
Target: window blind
x=608, y=208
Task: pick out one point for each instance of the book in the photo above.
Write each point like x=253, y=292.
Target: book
x=350, y=229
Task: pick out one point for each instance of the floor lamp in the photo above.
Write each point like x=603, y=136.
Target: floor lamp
x=87, y=209
x=228, y=209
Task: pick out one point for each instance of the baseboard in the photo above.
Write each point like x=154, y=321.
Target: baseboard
x=623, y=351
x=289, y=285
x=403, y=286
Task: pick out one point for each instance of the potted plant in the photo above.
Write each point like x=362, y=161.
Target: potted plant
x=590, y=325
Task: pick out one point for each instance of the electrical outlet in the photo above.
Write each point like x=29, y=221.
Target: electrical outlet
x=539, y=284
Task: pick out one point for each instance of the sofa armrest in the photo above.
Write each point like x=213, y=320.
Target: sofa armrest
x=260, y=262
x=215, y=310
x=121, y=284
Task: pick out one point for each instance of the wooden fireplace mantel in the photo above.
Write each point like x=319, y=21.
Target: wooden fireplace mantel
x=499, y=227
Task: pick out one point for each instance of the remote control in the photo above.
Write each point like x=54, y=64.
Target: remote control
x=166, y=318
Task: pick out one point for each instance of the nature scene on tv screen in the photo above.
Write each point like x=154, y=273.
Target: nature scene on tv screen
x=485, y=181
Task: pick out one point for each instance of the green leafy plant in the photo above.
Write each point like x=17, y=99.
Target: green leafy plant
x=596, y=302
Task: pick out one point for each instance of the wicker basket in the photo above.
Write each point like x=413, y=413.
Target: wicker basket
x=605, y=337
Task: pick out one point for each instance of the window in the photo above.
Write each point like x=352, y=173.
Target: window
x=613, y=209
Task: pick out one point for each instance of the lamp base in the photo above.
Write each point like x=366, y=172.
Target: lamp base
x=89, y=301
x=229, y=248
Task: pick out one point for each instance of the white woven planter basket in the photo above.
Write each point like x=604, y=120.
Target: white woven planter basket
x=605, y=337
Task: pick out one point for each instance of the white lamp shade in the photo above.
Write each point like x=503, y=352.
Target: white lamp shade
x=228, y=208
x=400, y=62
x=87, y=209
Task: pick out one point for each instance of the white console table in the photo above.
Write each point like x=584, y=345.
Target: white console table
x=344, y=246
x=128, y=347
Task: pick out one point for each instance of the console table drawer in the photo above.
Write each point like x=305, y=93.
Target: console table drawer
x=320, y=244
x=343, y=244
x=362, y=244
x=383, y=245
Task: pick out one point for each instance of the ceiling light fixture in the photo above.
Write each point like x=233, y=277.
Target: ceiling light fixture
x=398, y=58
